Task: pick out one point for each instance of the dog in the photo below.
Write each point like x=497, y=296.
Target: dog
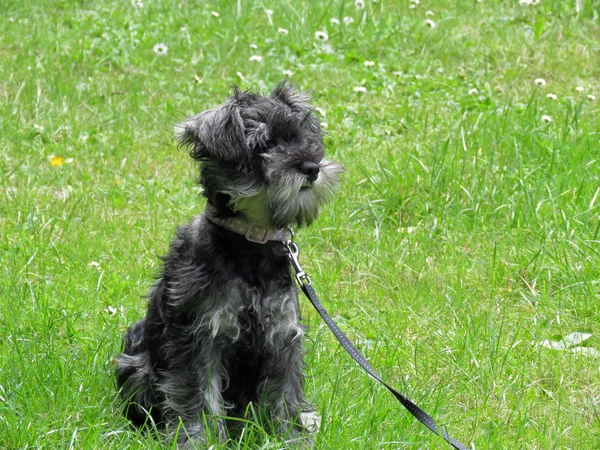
x=222, y=333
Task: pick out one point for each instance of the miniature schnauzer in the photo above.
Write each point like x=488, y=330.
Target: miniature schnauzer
x=222, y=330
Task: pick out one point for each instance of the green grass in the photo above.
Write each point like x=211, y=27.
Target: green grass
x=465, y=231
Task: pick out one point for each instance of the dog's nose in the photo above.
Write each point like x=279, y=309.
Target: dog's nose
x=311, y=170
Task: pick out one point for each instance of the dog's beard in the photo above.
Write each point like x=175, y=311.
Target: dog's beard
x=288, y=199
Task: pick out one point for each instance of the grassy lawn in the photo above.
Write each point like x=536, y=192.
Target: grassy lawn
x=464, y=237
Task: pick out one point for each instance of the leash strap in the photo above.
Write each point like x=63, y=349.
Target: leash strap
x=308, y=290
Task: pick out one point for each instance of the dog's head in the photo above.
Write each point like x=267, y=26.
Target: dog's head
x=262, y=157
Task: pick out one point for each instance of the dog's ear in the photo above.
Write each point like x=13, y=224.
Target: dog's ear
x=216, y=133
x=287, y=93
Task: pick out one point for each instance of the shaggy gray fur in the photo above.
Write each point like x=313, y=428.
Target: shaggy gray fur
x=222, y=329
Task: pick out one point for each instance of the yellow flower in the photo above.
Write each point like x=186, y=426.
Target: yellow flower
x=56, y=161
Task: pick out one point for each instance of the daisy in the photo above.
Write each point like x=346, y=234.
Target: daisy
x=197, y=79
x=473, y=91
x=269, y=12
x=160, y=49
x=239, y=74
x=591, y=97
x=397, y=73
x=256, y=58
x=552, y=96
x=334, y=21
x=253, y=46
x=324, y=125
x=321, y=36
x=137, y=3
x=429, y=13
x=348, y=20
x=287, y=73
x=360, y=89
x=83, y=137
x=359, y=4
x=540, y=82
x=38, y=128
x=215, y=14
x=546, y=119
x=430, y=23
x=282, y=31
x=580, y=89
x=369, y=63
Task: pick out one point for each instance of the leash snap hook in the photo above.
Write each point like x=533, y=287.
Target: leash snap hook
x=294, y=253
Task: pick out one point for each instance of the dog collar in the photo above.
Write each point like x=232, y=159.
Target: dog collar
x=252, y=232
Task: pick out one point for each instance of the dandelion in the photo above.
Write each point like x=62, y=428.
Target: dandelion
x=137, y=3
x=56, y=161
x=84, y=137
x=369, y=63
x=334, y=21
x=321, y=36
x=256, y=58
x=540, y=82
x=546, y=119
x=591, y=97
x=197, y=79
x=580, y=89
x=287, y=73
x=552, y=96
x=430, y=23
x=473, y=91
x=239, y=74
x=359, y=4
x=215, y=14
x=429, y=13
x=160, y=49
x=360, y=89
x=348, y=20
x=282, y=31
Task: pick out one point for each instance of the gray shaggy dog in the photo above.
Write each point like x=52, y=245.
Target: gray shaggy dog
x=222, y=330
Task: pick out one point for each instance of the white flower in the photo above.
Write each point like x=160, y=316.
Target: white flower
x=334, y=21
x=534, y=2
x=137, y=3
x=473, y=91
x=239, y=74
x=412, y=6
x=580, y=89
x=287, y=73
x=269, y=12
x=546, y=119
x=369, y=63
x=397, y=73
x=430, y=23
x=359, y=4
x=256, y=58
x=83, y=137
x=321, y=36
x=360, y=89
x=416, y=2
x=197, y=79
x=324, y=125
x=160, y=49
x=215, y=14
x=253, y=46
x=591, y=97
x=524, y=2
x=321, y=111
x=540, y=82
x=348, y=20
x=38, y=128
x=282, y=31
x=94, y=264
x=552, y=96
x=429, y=13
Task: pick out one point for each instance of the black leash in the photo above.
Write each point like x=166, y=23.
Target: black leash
x=308, y=290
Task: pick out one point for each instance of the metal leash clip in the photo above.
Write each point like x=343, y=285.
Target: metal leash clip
x=294, y=253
